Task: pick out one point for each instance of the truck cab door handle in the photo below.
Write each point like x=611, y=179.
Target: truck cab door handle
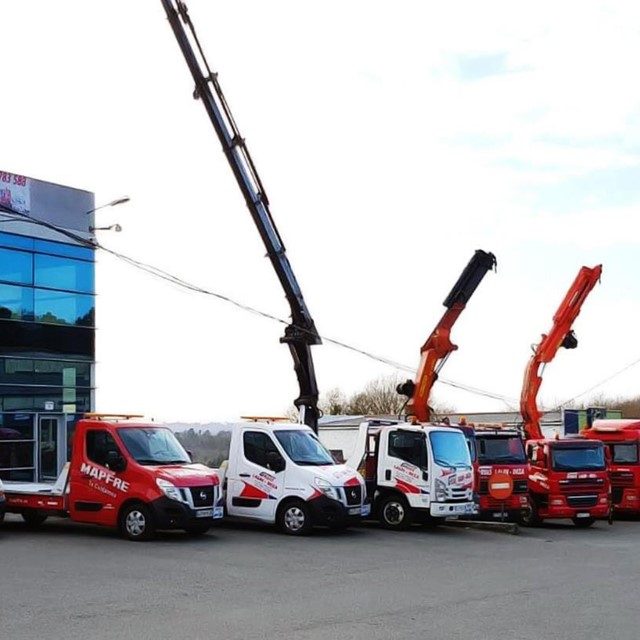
x=244, y=475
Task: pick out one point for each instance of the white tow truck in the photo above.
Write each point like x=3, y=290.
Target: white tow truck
x=280, y=473
x=414, y=472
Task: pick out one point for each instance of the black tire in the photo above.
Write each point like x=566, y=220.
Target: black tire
x=529, y=517
x=136, y=522
x=294, y=518
x=197, y=529
x=33, y=518
x=395, y=513
x=583, y=523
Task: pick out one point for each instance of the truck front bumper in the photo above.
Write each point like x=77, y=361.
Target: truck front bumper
x=331, y=513
x=171, y=514
x=452, y=509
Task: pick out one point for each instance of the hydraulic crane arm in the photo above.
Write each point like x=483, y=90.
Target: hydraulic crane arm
x=438, y=347
x=561, y=335
x=301, y=334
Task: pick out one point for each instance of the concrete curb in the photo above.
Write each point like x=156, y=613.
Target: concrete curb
x=500, y=527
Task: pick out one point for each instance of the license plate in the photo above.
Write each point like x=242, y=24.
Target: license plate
x=583, y=514
x=218, y=512
x=204, y=513
x=355, y=511
x=460, y=508
x=366, y=510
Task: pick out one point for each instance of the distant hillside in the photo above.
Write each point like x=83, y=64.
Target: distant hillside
x=208, y=443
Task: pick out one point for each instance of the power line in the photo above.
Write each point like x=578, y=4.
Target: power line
x=165, y=275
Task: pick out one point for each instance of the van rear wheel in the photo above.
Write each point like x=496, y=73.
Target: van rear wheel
x=33, y=518
x=136, y=522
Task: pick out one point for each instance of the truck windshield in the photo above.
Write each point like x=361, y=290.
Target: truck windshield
x=624, y=453
x=501, y=450
x=304, y=448
x=577, y=458
x=450, y=449
x=153, y=446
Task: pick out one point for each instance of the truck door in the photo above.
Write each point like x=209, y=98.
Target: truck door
x=96, y=491
x=405, y=463
x=256, y=481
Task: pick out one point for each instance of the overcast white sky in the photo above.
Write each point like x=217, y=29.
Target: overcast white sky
x=393, y=138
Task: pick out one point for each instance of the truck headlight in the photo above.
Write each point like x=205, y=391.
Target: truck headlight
x=441, y=491
x=170, y=490
x=327, y=488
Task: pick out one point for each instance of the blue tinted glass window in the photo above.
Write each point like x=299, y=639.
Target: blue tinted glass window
x=64, y=273
x=62, y=249
x=56, y=307
x=61, y=373
x=16, y=266
x=16, y=303
x=21, y=242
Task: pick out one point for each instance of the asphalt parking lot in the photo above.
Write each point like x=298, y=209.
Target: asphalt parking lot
x=239, y=582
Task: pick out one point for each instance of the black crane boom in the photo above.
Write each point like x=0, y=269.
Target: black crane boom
x=301, y=334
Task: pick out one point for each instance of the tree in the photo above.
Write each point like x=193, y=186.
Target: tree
x=334, y=403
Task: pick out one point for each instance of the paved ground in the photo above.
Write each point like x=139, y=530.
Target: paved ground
x=245, y=583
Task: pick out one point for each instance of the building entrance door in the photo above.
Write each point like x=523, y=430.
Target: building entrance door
x=50, y=446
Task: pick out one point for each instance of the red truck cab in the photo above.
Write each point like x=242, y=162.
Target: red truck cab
x=131, y=475
x=501, y=450
x=567, y=479
x=622, y=438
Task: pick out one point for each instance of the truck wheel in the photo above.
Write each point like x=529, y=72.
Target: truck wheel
x=33, y=518
x=529, y=517
x=294, y=518
x=583, y=523
x=136, y=522
x=197, y=529
x=395, y=513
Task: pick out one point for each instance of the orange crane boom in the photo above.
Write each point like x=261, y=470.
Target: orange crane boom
x=561, y=335
x=438, y=346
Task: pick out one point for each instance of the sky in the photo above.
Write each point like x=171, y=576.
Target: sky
x=393, y=140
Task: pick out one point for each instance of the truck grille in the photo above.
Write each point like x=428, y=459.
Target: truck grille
x=582, y=501
x=622, y=479
x=353, y=494
x=586, y=484
x=202, y=496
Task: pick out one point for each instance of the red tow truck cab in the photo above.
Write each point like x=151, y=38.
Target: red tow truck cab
x=567, y=479
x=622, y=438
x=131, y=475
x=501, y=450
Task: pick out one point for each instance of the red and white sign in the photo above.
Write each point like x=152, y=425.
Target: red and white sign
x=500, y=486
x=14, y=192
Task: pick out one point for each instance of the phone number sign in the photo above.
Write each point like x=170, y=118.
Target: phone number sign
x=15, y=192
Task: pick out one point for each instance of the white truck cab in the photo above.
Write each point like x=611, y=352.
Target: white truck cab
x=281, y=473
x=414, y=472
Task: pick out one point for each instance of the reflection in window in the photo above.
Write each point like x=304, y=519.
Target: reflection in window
x=45, y=372
x=57, y=307
x=16, y=266
x=16, y=303
x=63, y=273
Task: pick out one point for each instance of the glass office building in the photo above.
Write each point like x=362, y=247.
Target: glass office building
x=47, y=323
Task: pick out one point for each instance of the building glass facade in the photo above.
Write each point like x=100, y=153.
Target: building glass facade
x=47, y=339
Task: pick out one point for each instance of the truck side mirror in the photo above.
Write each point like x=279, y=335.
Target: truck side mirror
x=115, y=461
